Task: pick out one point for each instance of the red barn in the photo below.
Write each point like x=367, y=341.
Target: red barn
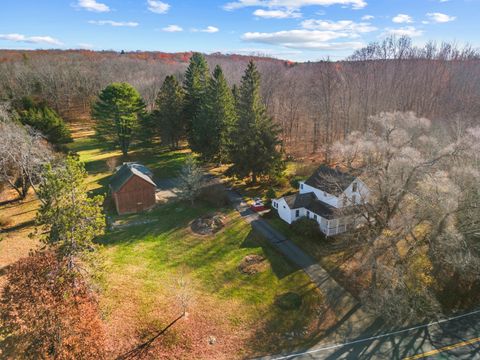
x=133, y=189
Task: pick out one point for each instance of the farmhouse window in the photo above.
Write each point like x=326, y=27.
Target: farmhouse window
x=297, y=213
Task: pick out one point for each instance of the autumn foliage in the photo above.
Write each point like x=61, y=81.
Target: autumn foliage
x=47, y=312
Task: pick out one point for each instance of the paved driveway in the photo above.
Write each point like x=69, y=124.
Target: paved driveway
x=339, y=299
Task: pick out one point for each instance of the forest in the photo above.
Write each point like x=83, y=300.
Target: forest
x=315, y=104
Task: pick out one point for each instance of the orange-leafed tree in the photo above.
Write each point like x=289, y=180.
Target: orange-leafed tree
x=48, y=312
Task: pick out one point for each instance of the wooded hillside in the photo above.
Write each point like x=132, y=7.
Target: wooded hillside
x=314, y=103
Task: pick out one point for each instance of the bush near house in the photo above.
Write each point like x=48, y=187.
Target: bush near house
x=307, y=228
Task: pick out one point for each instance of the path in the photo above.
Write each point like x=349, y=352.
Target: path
x=338, y=298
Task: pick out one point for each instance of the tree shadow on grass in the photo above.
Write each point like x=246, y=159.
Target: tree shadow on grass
x=281, y=267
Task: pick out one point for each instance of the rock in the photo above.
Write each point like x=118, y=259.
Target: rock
x=212, y=340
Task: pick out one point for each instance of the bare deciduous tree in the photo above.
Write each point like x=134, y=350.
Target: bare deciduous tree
x=23, y=152
x=422, y=217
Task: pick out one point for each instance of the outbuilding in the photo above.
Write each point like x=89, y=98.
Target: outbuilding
x=133, y=189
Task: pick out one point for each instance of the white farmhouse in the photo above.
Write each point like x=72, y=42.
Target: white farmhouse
x=330, y=197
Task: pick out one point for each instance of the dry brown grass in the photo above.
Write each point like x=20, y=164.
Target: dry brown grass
x=15, y=242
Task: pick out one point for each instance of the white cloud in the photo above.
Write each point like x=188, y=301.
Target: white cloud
x=277, y=14
x=342, y=25
x=158, y=7
x=440, y=18
x=209, y=29
x=402, y=19
x=262, y=51
x=85, y=46
x=410, y=31
x=172, y=28
x=303, y=39
x=114, y=23
x=30, y=39
x=293, y=4
x=368, y=17
x=92, y=5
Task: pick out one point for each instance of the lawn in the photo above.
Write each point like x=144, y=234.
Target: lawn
x=239, y=310
x=336, y=255
x=245, y=314
x=231, y=315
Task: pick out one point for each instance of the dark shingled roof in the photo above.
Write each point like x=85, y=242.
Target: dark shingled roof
x=299, y=200
x=128, y=170
x=310, y=202
x=330, y=180
x=323, y=209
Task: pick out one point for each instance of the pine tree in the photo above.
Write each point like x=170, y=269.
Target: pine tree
x=220, y=118
x=41, y=117
x=70, y=217
x=169, y=117
x=254, y=149
x=195, y=107
x=118, y=110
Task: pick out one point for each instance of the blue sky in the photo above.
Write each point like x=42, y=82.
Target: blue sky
x=290, y=29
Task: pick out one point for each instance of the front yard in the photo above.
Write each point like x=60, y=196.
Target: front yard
x=233, y=314
x=274, y=309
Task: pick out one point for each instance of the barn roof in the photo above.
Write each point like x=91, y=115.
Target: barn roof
x=128, y=170
x=330, y=180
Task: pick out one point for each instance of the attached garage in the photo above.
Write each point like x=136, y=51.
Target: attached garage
x=133, y=189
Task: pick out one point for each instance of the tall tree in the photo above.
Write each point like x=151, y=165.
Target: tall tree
x=117, y=110
x=196, y=89
x=70, y=217
x=220, y=117
x=421, y=220
x=169, y=116
x=48, y=312
x=254, y=148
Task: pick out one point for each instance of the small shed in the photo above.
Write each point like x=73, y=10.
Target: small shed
x=133, y=189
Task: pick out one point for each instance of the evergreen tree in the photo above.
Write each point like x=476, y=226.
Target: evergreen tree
x=118, y=110
x=169, y=116
x=70, y=217
x=254, y=148
x=41, y=117
x=195, y=106
x=219, y=118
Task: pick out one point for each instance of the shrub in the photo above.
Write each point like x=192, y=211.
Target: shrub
x=307, y=228
x=271, y=194
x=295, y=182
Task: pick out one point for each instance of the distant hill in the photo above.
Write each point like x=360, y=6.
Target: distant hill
x=7, y=55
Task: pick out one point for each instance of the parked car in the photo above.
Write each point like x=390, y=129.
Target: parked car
x=258, y=205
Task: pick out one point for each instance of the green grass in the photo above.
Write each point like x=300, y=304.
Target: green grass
x=142, y=260
x=164, y=246
x=164, y=163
